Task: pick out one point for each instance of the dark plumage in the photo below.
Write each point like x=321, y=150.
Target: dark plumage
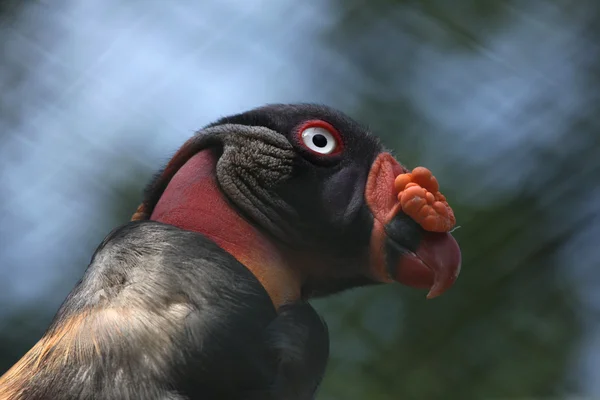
x=204, y=295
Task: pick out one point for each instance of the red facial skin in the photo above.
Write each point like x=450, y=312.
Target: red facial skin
x=193, y=201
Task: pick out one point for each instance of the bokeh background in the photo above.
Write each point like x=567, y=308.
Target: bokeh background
x=501, y=99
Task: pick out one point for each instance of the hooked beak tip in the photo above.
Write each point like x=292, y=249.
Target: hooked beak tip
x=443, y=281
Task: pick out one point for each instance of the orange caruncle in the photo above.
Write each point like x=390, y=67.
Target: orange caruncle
x=419, y=196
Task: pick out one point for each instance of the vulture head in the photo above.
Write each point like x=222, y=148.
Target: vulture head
x=310, y=201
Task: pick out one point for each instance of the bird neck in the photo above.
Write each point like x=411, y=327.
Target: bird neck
x=193, y=201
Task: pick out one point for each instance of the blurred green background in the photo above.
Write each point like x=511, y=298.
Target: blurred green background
x=500, y=99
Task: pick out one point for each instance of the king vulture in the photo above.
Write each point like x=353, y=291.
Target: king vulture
x=204, y=294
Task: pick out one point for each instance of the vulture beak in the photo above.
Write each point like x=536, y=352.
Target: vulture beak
x=410, y=241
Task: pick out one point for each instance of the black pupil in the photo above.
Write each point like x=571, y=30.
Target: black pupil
x=319, y=140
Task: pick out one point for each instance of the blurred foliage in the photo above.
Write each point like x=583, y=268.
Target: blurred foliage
x=512, y=325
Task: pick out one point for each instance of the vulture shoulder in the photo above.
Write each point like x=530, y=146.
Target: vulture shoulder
x=163, y=313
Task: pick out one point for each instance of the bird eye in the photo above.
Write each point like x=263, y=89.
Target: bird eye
x=320, y=138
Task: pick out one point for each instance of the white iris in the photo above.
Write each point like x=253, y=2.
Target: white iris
x=319, y=140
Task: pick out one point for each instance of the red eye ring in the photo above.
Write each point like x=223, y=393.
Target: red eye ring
x=332, y=133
